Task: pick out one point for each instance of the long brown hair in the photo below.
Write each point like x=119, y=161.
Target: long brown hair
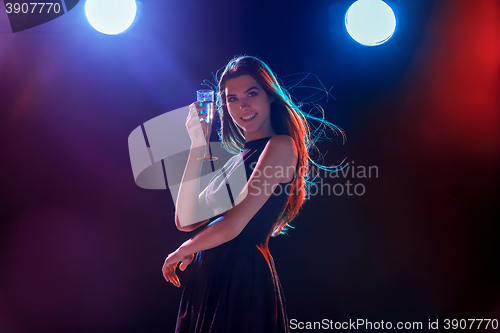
x=286, y=118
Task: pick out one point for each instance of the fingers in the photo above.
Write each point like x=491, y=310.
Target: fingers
x=200, y=110
x=193, y=121
x=196, y=121
x=176, y=281
x=197, y=108
x=168, y=269
x=196, y=111
x=170, y=276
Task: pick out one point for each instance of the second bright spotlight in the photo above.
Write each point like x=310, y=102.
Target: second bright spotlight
x=370, y=22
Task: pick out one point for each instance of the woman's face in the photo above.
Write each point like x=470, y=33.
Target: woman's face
x=249, y=107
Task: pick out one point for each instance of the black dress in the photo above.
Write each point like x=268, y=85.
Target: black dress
x=234, y=286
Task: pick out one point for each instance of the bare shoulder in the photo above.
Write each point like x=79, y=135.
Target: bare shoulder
x=282, y=144
x=281, y=152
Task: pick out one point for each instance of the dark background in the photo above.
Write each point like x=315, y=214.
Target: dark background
x=81, y=246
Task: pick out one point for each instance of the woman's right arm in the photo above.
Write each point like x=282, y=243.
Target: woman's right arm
x=191, y=209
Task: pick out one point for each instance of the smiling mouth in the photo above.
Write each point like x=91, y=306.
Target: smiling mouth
x=248, y=117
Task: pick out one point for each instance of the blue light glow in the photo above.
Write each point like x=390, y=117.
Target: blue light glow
x=110, y=17
x=370, y=22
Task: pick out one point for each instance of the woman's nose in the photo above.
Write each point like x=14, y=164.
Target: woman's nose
x=244, y=104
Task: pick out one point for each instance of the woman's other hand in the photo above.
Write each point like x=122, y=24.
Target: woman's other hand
x=196, y=125
x=171, y=263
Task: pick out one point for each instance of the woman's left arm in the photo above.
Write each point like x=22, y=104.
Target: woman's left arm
x=277, y=162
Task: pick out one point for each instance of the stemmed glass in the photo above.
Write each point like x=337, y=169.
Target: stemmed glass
x=206, y=99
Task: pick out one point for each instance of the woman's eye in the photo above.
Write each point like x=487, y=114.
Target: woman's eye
x=231, y=99
x=252, y=93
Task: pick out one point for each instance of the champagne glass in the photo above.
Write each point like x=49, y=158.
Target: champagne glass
x=206, y=99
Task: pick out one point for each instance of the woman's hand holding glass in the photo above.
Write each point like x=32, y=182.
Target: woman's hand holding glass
x=198, y=129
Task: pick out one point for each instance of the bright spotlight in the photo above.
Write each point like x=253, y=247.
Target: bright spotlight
x=110, y=17
x=370, y=22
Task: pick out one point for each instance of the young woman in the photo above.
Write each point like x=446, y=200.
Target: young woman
x=232, y=285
